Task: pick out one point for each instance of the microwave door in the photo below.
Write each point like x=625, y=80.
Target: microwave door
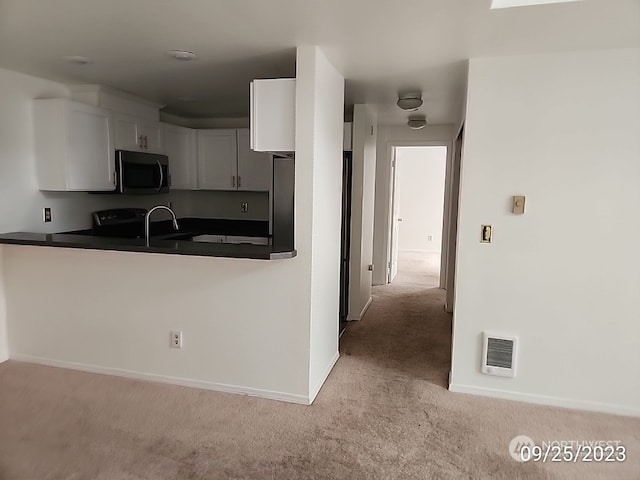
x=141, y=173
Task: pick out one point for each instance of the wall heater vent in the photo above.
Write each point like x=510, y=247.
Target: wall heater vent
x=499, y=355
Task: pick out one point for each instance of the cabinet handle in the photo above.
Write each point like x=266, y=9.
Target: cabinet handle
x=239, y=179
x=233, y=181
x=140, y=142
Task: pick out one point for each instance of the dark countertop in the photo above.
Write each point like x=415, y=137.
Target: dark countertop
x=160, y=244
x=196, y=226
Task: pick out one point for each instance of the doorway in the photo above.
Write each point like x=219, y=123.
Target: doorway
x=345, y=240
x=417, y=216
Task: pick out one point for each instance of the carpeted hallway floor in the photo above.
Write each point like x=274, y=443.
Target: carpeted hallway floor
x=384, y=413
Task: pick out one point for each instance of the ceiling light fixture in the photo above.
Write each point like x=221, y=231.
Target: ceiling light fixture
x=182, y=55
x=410, y=101
x=416, y=123
x=76, y=59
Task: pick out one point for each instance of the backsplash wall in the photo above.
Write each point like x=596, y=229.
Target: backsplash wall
x=216, y=204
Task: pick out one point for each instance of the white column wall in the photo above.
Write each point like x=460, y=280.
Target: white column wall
x=319, y=119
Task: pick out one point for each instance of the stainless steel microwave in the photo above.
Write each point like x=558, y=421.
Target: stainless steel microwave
x=139, y=172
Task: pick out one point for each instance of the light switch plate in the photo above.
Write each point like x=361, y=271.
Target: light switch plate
x=518, y=204
x=486, y=233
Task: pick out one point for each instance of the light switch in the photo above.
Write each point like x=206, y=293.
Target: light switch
x=518, y=204
x=486, y=234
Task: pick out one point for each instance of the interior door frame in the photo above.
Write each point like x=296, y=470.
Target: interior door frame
x=391, y=146
x=457, y=153
x=394, y=200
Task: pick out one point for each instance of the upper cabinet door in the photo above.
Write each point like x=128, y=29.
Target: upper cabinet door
x=255, y=169
x=180, y=147
x=91, y=157
x=127, y=136
x=150, y=134
x=273, y=115
x=137, y=134
x=217, y=159
x=74, y=146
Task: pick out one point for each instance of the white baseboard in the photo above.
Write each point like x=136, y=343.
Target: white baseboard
x=547, y=400
x=313, y=392
x=152, y=377
x=364, y=310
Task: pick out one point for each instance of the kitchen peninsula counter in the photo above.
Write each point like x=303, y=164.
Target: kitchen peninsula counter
x=157, y=244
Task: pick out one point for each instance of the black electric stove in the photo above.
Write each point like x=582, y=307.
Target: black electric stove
x=119, y=223
x=129, y=223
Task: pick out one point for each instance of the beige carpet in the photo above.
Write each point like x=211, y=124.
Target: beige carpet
x=384, y=413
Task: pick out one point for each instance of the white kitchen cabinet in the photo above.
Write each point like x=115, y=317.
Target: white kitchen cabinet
x=255, y=169
x=180, y=147
x=273, y=115
x=151, y=133
x=217, y=159
x=73, y=146
x=137, y=134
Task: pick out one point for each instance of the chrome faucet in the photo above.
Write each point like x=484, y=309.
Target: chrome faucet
x=146, y=220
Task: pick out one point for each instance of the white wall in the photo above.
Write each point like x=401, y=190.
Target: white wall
x=561, y=129
x=388, y=137
x=245, y=322
x=421, y=197
x=365, y=130
x=319, y=113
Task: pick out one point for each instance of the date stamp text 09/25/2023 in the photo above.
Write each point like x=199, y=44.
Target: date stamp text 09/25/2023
x=523, y=449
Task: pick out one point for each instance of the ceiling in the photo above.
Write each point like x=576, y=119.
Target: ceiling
x=381, y=47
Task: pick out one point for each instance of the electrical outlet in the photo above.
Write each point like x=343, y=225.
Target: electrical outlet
x=46, y=214
x=176, y=339
x=429, y=238
x=244, y=207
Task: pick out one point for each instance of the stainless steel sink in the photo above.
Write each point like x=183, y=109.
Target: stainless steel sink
x=209, y=238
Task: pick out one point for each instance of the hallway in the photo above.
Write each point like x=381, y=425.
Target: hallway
x=384, y=413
